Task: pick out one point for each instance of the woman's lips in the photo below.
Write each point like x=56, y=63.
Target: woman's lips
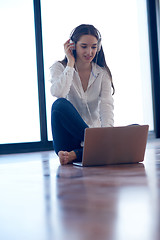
x=87, y=57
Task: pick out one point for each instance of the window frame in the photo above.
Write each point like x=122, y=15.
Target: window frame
x=154, y=59
x=44, y=144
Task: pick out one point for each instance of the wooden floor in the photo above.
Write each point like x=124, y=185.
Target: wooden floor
x=41, y=200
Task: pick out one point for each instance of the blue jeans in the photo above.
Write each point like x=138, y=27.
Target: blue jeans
x=67, y=128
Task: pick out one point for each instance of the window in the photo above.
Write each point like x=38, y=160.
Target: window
x=124, y=30
x=19, y=121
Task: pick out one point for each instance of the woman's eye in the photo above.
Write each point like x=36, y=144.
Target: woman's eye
x=94, y=47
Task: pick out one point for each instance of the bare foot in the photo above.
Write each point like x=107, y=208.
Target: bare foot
x=66, y=157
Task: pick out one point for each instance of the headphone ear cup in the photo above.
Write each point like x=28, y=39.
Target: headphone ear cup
x=99, y=45
x=73, y=48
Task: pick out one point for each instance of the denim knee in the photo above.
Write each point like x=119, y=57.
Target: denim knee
x=59, y=104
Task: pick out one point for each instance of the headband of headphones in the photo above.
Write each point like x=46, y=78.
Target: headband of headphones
x=98, y=35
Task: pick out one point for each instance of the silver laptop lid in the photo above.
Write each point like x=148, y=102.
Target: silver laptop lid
x=114, y=145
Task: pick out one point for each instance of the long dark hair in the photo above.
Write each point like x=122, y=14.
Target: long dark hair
x=99, y=59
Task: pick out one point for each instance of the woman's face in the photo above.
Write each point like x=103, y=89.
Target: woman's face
x=86, y=48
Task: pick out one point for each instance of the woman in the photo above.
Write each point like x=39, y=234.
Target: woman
x=82, y=82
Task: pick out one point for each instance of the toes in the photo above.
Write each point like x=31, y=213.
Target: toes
x=63, y=157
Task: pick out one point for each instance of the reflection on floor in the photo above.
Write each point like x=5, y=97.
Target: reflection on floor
x=41, y=200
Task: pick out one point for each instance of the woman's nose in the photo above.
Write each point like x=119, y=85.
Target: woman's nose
x=89, y=51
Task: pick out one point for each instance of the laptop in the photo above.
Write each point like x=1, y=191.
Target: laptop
x=114, y=145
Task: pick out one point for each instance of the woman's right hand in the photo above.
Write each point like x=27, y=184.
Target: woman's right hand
x=68, y=47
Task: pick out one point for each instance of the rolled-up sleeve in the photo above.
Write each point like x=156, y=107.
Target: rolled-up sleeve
x=61, y=79
x=106, y=106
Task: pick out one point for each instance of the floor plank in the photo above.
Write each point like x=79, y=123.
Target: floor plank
x=41, y=200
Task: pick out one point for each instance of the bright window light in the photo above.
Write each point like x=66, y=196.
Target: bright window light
x=123, y=26
x=19, y=121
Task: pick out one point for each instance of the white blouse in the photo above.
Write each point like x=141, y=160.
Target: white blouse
x=95, y=105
